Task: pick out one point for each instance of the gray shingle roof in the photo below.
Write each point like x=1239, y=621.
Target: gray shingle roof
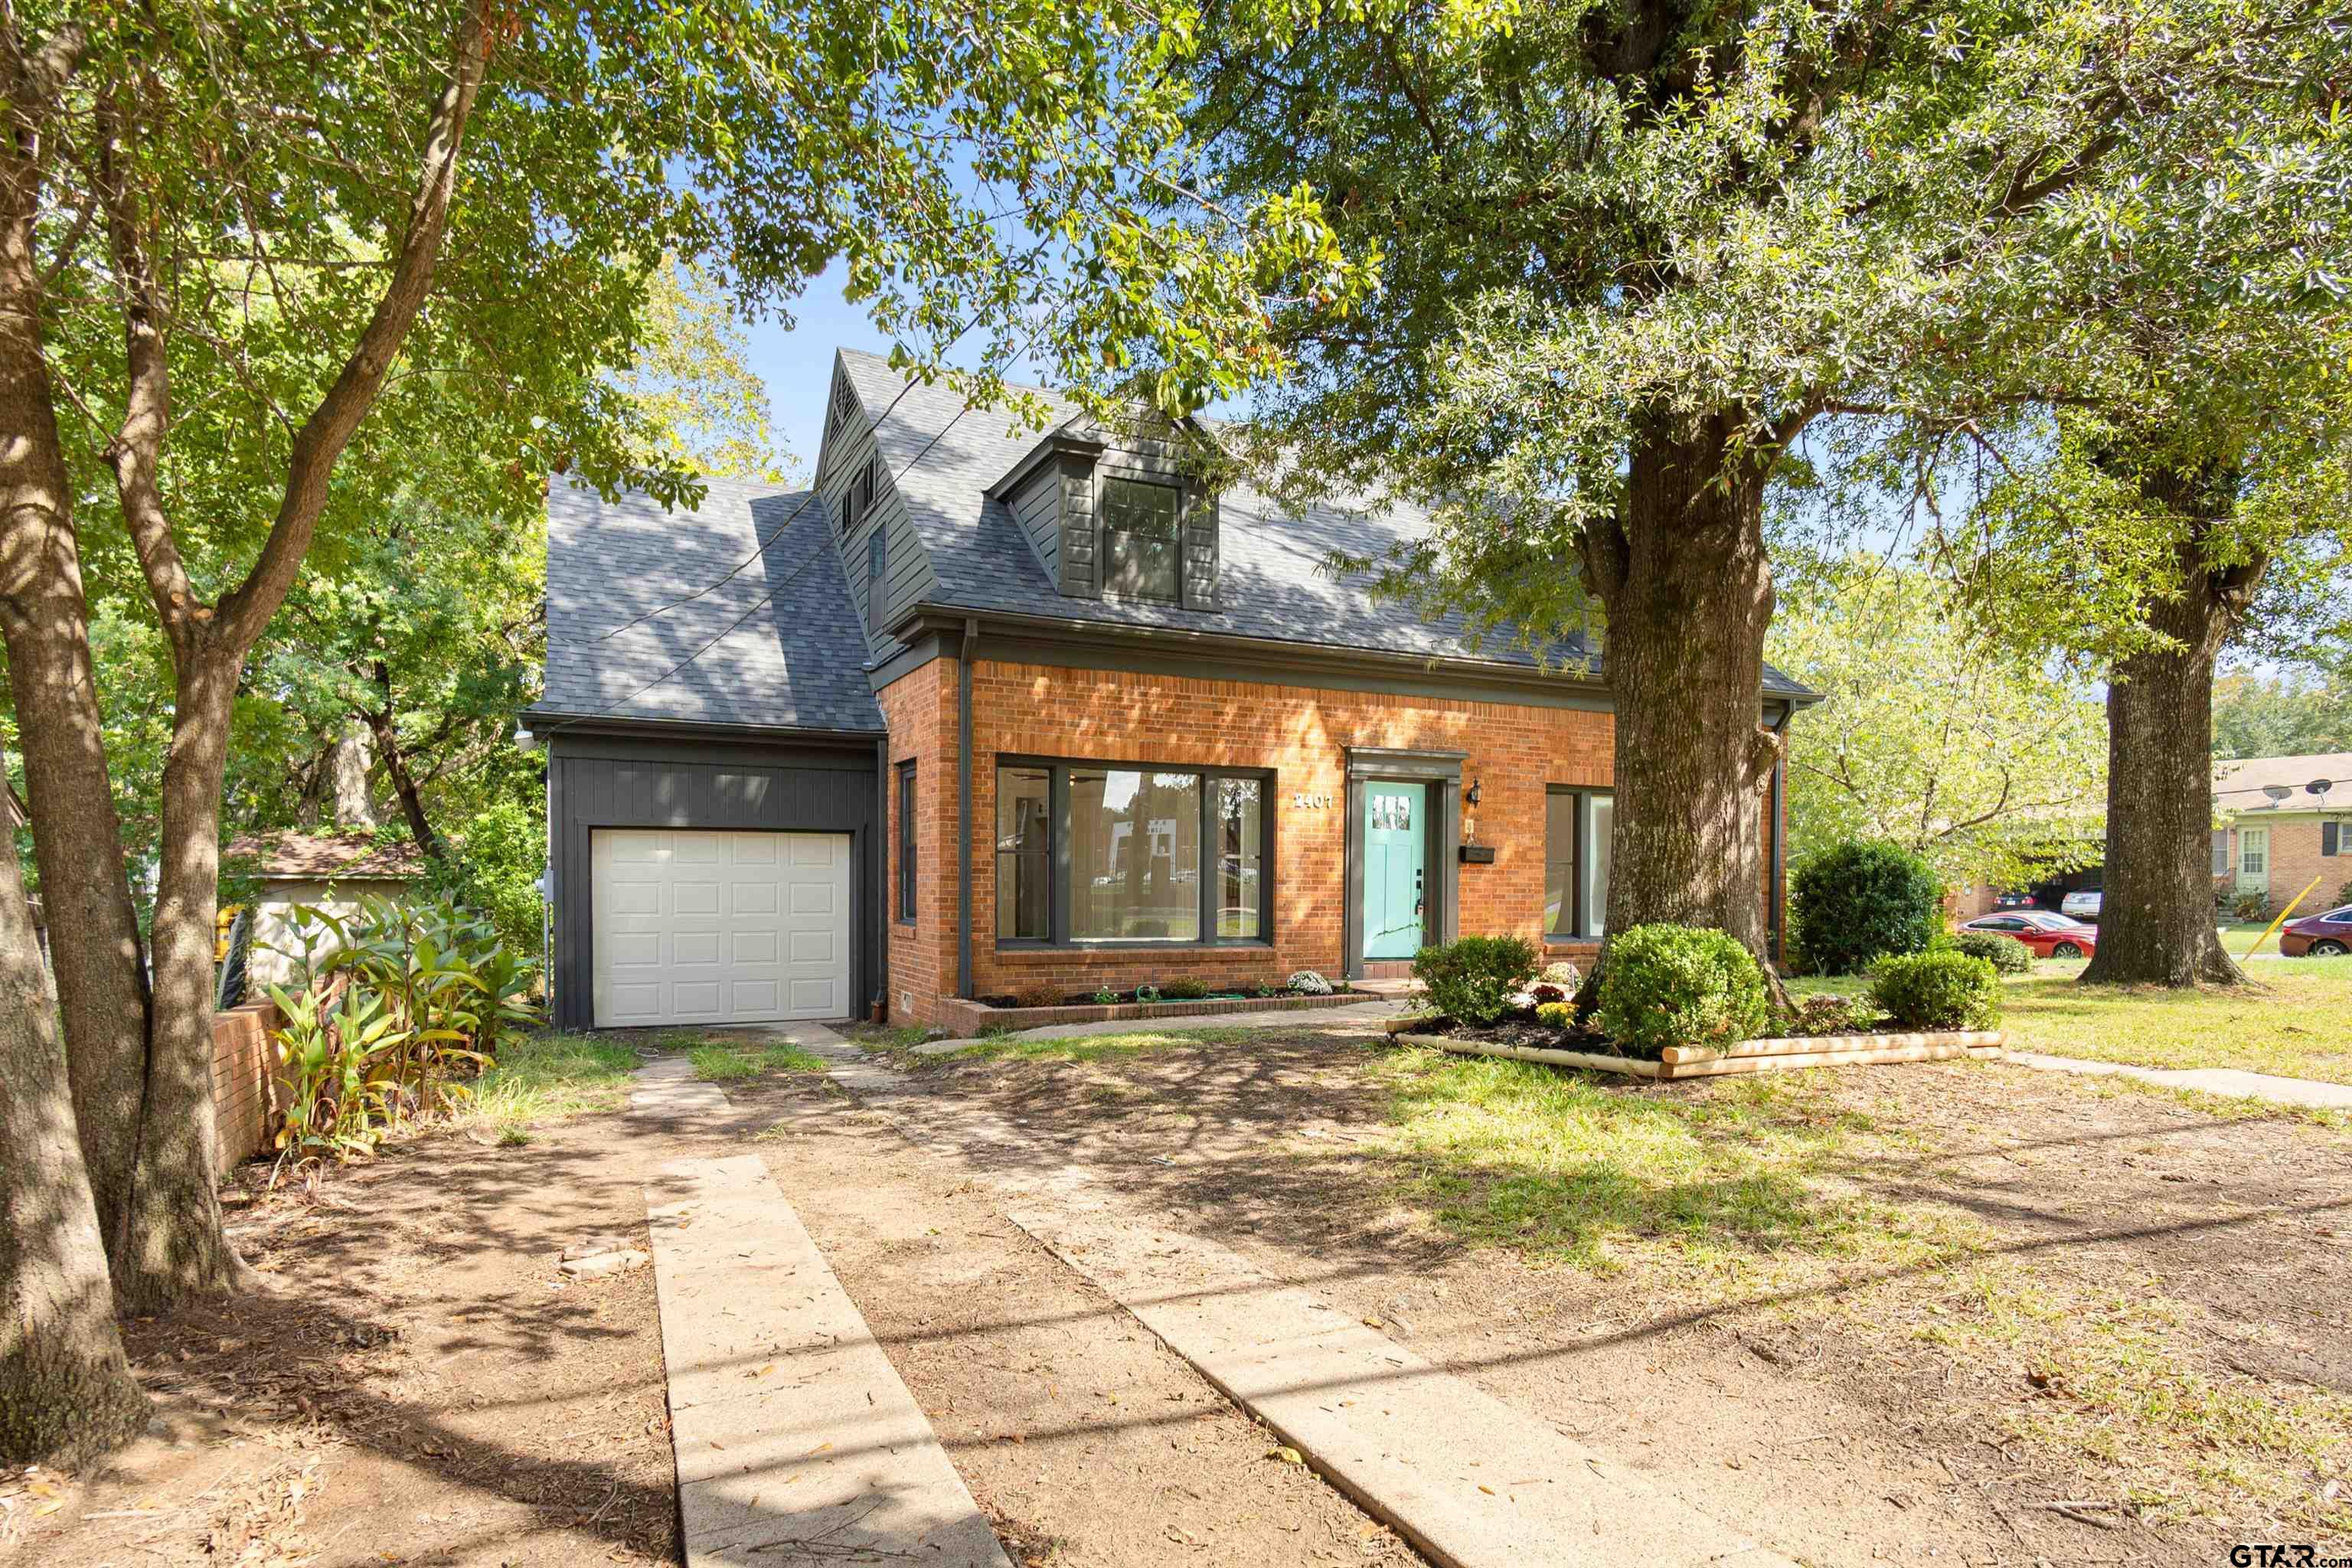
x=778, y=645
x=1271, y=585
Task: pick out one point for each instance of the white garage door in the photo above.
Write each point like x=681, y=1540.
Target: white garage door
x=720, y=928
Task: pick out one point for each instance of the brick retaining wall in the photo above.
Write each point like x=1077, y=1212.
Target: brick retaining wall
x=247, y=1098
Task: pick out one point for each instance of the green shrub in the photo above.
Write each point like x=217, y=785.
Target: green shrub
x=1679, y=985
x=1938, y=990
x=494, y=861
x=1474, y=980
x=1185, y=988
x=1558, y=1015
x=1861, y=901
x=2003, y=952
x=2252, y=905
x=2344, y=893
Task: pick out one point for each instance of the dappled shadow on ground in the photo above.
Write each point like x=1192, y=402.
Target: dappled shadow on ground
x=416, y=1381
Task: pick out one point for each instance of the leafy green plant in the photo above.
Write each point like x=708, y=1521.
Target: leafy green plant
x=1679, y=985
x=1475, y=979
x=1106, y=996
x=2251, y=906
x=1185, y=988
x=1946, y=990
x=1862, y=899
x=332, y=1045
x=2004, y=952
x=442, y=976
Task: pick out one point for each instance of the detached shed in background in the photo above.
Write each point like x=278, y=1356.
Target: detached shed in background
x=325, y=870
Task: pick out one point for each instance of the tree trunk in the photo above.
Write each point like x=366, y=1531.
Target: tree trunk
x=172, y=1247
x=77, y=838
x=66, y=1390
x=346, y=777
x=383, y=725
x=2156, y=917
x=1689, y=596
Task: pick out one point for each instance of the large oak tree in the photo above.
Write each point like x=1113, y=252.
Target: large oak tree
x=1631, y=251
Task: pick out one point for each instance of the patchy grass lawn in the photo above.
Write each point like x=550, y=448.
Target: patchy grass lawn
x=2296, y=1019
x=732, y=1062
x=2117, y=1295
x=1097, y=1048
x=548, y=1076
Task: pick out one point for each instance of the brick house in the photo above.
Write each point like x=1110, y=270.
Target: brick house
x=987, y=710
x=2282, y=821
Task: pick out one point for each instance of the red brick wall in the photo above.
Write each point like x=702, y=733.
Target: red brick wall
x=2295, y=860
x=921, y=712
x=245, y=1093
x=1302, y=734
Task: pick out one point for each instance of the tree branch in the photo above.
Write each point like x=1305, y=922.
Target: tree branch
x=246, y=610
x=135, y=453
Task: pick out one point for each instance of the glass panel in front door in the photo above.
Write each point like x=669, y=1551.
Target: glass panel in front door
x=1395, y=834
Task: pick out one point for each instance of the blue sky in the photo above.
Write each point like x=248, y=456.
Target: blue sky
x=796, y=364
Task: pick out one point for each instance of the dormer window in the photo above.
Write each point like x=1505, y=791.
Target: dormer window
x=1142, y=550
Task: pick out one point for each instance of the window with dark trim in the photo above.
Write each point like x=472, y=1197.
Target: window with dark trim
x=2331, y=839
x=1123, y=854
x=1577, y=824
x=1142, y=551
x=906, y=841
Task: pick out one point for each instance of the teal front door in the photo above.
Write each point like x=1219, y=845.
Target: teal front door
x=1395, y=834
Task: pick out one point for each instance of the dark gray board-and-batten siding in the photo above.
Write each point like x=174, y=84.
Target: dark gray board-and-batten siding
x=717, y=786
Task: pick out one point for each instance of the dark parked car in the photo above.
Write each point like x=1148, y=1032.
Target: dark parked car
x=2323, y=936
x=2049, y=935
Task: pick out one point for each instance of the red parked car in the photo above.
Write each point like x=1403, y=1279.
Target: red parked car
x=2049, y=935
x=2322, y=936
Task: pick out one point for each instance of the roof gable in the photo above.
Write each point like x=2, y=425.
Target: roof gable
x=734, y=612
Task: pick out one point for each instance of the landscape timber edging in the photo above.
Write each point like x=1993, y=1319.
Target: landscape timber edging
x=1777, y=1055
x=964, y=1018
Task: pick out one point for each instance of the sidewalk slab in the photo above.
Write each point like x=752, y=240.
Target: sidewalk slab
x=1470, y=1482
x=2246, y=1085
x=796, y=1441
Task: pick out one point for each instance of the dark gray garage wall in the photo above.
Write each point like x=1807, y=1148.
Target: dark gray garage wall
x=624, y=781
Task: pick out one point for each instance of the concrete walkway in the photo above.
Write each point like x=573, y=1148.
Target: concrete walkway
x=1351, y=1015
x=1470, y=1482
x=2278, y=1090
x=796, y=1441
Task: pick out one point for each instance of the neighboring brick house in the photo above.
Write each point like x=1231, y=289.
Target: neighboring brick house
x=2282, y=821
x=1167, y=737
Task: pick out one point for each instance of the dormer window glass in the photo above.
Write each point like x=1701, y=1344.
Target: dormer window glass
x=1142, y=550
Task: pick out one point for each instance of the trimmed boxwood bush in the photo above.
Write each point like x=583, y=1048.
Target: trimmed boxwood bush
x=1679, y=985
x=2003, y=952
x=1861, y=901
x=1475, y=979
x=1945, y=990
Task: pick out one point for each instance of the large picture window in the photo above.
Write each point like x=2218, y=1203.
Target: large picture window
x=1577, y=824
x=1140, y=551
x=1099, y=853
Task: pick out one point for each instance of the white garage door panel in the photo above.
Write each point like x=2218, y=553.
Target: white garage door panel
x=718, y=928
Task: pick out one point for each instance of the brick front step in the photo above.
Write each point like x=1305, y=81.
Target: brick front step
x=964, y=1019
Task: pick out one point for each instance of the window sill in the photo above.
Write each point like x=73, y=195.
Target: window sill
x=1010, y=948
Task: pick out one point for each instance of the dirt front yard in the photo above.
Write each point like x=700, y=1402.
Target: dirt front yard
x=1930, y=1314
x=417, y=1383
